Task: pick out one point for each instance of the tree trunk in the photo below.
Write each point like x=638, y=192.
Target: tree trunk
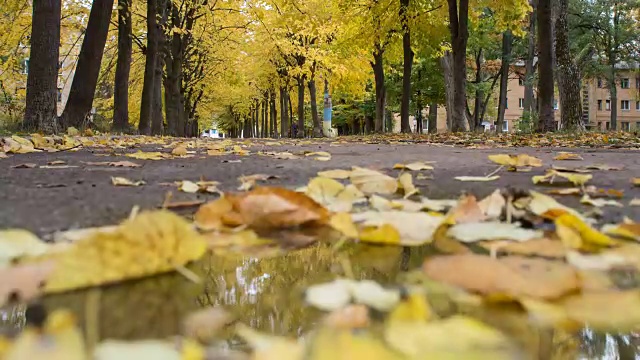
x=459, y=26
x=419, y=114
x=433, y=118
x=146, y=102
x=568, y=74
x=265, y=111
x=42, y=79
x=317, y=124
x=613, y=92
x=530, y=68
x=507, y=41
x=290, y=107
x=447, y=70
x=545, y=56
x=284, y=112
x=300, y=133
x=381, y=90
x=157, y=117
x=478, y=108
x=123, y=68
x=274, y=114
x=85, y=77
x=405, y=126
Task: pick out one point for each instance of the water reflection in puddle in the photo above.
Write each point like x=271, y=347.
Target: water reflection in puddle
x=267, y=295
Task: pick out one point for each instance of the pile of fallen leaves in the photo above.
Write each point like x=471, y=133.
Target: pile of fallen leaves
x=561, y=267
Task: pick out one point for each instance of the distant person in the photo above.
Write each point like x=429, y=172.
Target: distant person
x=294, y=130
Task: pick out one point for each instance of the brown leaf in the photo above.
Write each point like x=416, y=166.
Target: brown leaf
x=179, y=150
x=25, y=166
x=537, y=247
x=568, y=156
x=127, y=164
x=467, y=211
x=512, y=276
x=23, y=282
x=209, y=216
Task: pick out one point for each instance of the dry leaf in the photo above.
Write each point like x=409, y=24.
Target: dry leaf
x=493, y=205
x=568, y=156
x=551, y=175
x=121, y=181
x=247, y=182
x=373, y=182
x=188, y=187
x=343, y=223
x=635, y=181
x=541, y=204
x=477, y=178
x=71, y=131
x=25, y=166
x=335, y=174
x=203, y=325
x=320, y=155
x=332, y=194
x=599, y=262
x=285, y=156
x=415, y=166
x=571, y=169
x=405, y=182
x=474, y=232
x=537, y=247
x=605, y=311
x=567, y=191
x=412, y=228
x=338, y=293
x=179, y=150
x=511, y=276
x=516, y=161
x=24, y=282
x=634, y=202
x=127, y=164
x=17, y=243
x=56, y=162
x=604, y=167
x=141, y=155
x=210, y=215
x=151, y=243
x=269, y=347
x=625, y=231
x=467, y=210
x=599, y=202
x=349, y=317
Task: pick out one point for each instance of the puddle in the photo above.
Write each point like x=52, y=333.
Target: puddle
x=267, y=294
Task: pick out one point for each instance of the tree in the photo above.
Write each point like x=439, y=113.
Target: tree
x=529, y=72
x=85, y=78
x=42, y=87
x=405, y=127
x=507, y=40
x=123, y=67
x=154, y=32
x=459, y=27
x=568, y=74
x=546, y=120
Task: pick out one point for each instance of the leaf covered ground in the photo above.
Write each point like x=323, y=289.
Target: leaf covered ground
x=377, y=247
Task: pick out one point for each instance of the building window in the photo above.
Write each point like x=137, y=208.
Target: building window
x=505, y=126
x=59, y=94
x=506, y=103
x=555, y=104
x=638, y=83
x=624, y=83
x=624, y=126
x=607, y=105
x=599, y=105
x=25, y=66
x=607, y=125
x=600, y=83
x=521, y=81
x=625, y=105
x=521, y=103
x=599, y=125
x=637, y=105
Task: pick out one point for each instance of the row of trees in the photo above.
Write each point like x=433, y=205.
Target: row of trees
x=166, y=66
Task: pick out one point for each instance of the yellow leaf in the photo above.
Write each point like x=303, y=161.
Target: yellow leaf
x=330, y=343
x=413, y=308
x=332, y=194
x=405, y=182
x=576, y=234
x=151, y=243
x=415, y=166
x=521, y=160
x=179, y=150
x=586, y=199
x=385, y=234
x=17, y=243
x=412, y=228
x=335, y=174
x=343, y=223
x=121, y=181
x=373, y=182
x=635, y=181
x=568, y=156
x=209, y=216
x=320, y=155
x=574, y=178
x=141, y=155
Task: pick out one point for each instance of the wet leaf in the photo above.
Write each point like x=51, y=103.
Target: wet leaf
x=348, y=317
x=151, y=243
x=516, y=161
x=576, y=234
x=144, y=349
x=607, y=311
x=268, y=347
x=512, y=276
x=203, y=325
x=474, y=232
x=121, y=181
x=567, y=156
x=405, y=182
x=339, y=293
x=586, y=199
x=330, y=343
x=413, y=229
x=335, y=174
x=477, y=178
x=415, y=166
x=373, y=182
x=23, y=282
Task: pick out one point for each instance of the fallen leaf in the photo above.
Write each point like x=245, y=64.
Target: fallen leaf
x=604, y=167
x=18, y=145
x=511, y=276
x=320, y=155
x=599, y=202
x=571, y=169
x=635, y=181
x=188, y=187
x=373, y=182
x=477, y=178
x=467, y=210
x=600, y=262
x=121, y=181
x=56, y=162
x=567, y=156
x=412, y=228
x=71, y=131
x=127, y=164
x=576, y=234
x=607, y=311
x=236, y=239
x=493, y=205
x=179, y=150
x=23, y=282
x=349, y=317
x=567, y=191
x=343, y=223
x=140, y=349
x=536, y=247
x=3, y=155
x=541, y=204
x=247, y=182
x=516, y=161
x=415, y=166
x=203, y=325
x=339, y=293
x=634, y=202
x=345, y=344
x=17, y=243
x=625, y=231
x=269, y=347
x=332, y=194
x=151, y=243
x=285, y=156
x=237, y=161
x=474, y=232
x=141, y=155
x=25, y=166
x=182, y=204
x=210, y=215
x=58, y=166
x=405, y=182
x=551, y=175
x=335, y=174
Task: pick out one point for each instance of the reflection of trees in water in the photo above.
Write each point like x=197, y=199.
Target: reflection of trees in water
x=609, y=346
x=12, y=319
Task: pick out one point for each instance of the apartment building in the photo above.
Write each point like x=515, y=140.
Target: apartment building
x=598, y=105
